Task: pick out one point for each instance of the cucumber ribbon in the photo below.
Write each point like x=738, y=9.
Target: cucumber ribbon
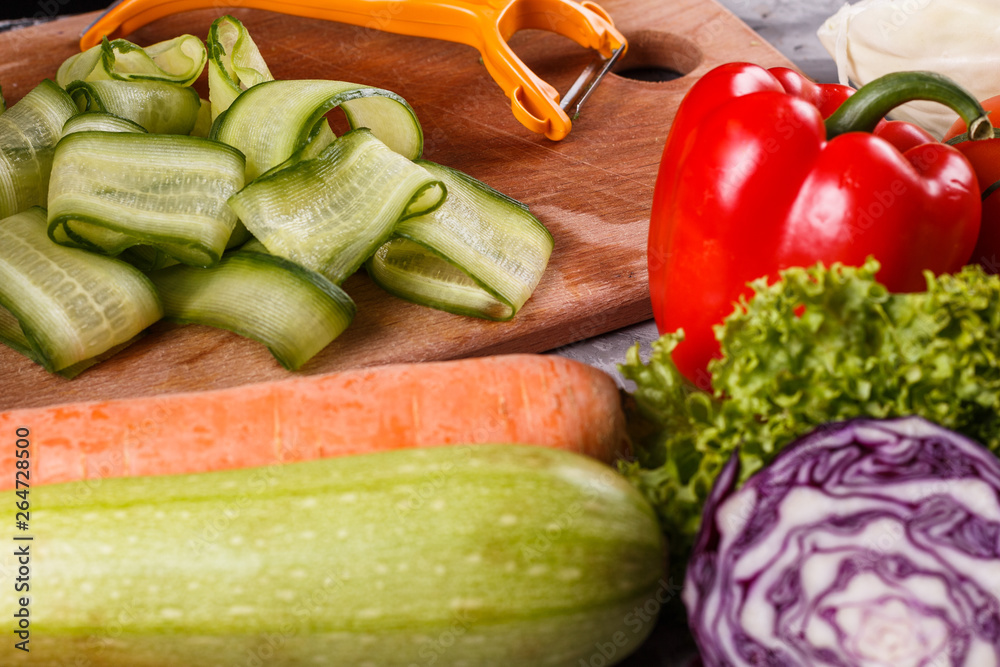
x=29, y=131
x=234, y=63
x=480, y=253
x=276, y=120
x=293, y=311
x=114, y=190
x=330, y=213
x=111, y=160
x=70, y=305
x=180, y=61
x=158, y=106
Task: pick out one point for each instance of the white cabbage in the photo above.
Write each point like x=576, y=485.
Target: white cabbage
x=957, y=38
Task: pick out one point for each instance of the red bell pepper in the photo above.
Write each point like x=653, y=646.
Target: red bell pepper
x=985, y=159
x=753, y=181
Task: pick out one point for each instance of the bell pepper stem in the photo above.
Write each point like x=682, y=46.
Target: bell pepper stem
x=863, y=110
x=959, y=138
x=990, y=190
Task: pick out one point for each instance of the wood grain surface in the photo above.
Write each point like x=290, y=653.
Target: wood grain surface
x=593, y=190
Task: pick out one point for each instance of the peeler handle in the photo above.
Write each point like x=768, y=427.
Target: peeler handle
x=534, y=102
x=483, y=24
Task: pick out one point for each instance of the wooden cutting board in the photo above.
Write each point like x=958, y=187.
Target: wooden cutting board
x=592, y=190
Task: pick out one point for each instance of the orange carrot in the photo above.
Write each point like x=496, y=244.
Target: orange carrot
x=533, y=399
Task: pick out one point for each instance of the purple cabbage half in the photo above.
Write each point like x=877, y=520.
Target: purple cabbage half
x=866, y=543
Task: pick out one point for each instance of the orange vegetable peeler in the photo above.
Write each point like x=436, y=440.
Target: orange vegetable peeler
x=483, y=24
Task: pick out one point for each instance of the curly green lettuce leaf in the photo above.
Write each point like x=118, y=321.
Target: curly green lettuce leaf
x=819, y=345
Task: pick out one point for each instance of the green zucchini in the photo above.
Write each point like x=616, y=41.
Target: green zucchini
x=71, y=305
x=275, y=120
x=29, y=131
x=480, y=253
x=158, y=106
x=484, y=555
x=295, y=312
x=179, y=60
x=113, y=190
x=330, y=213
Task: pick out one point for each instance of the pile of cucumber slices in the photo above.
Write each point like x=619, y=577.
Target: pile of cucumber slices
x=126, y=198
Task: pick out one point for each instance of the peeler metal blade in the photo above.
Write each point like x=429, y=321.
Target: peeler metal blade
x=100, y=16
x=587, y=82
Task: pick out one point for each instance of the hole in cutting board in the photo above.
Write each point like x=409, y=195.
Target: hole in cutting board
x=651, y=74
x=655, y=56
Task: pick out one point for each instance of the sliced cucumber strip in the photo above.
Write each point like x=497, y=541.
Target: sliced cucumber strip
x=412, y=272
x=147, y=258
x=203, y=124
x=291, y=310
x=71, y=305
x=239, y=236
x=29, y=131
x=161, y=108
x=114, y=190
x=100, y=121
x=84, y=66
x=318, y=142
x=329, y=214
x=73, y=370
x=234, y=63
x=480, y=253
x=274, y=120
x=179, y=60
x=11, y=334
